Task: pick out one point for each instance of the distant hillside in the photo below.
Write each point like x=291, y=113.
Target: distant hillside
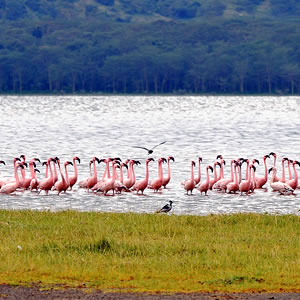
x=146, y=10
x=150, y=46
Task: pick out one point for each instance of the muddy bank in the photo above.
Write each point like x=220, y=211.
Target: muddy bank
x=19, y=292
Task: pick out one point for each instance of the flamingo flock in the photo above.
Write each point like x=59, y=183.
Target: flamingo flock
x=242, y=178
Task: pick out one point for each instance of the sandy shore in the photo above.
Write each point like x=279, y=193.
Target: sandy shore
x=19, y=292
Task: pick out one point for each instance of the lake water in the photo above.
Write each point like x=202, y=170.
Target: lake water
x=109, y=126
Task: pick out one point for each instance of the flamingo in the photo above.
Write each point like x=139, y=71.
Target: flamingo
x=261, y=181
x=32, y=165
x=276, y=178
x=278, y=186
x=63, y=185
x=142, y=184
x=34, y=183
x=107, y=185
x=189, y=184
x=47, y=183
x=12, y=187
x=204, y=186
x=119, y=185
x=130, y=181
x=234, y=186
x=198, y=179
x=215, y=179
x=245, y=185
x=91, y=181
x=73, y=179
x=156, y=184
x=11, y=180
x=293, y=183
x=222, y=183
x=166, y=180
x=282, y=179
x=1, y=180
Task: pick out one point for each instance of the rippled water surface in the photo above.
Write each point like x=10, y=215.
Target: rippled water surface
x=103, y=126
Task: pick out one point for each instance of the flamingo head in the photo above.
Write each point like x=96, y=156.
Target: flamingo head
x=2, y=162
x=266, y=156
x=97, y=159
x=253, y=167
x=16, y=159
x=255, y=161
x=124, y=165
x=149, y=159
x=273, y=154
x=164, y=160
x=223, y=162
x=220, y=156
x=36, y=159
x=200, y=159
x=171, y=158
x=68, y=163
x=116, y=162
x=24, y=164
x=32, y=163
x=76, y=158
x=271, y=169
x=296, y=162
x=218, y=164
x=193, y=163
x=44, y=163
x=20, y=165
x=210, y=168
x=23, y=157
x=37, y=170
x=118, y=158
x=57, y=159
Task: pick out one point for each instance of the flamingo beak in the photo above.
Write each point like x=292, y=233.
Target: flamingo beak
x=270, y=170
x=172, y=158
x=70, y=163
x=36, y=170
x=2, y=162
x=44, y=163
x=78, y=159
x=211, y=168
x=37, y=159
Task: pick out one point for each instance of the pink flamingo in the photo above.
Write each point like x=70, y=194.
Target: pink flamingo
x=73, y=179
x=166, y=180
x=189, y=184
x=204, y=186
x=34, y=183
x=12, y=187
x=91, y=181
x=245, y=185
x=26, y=181
x=293, y=183
x=1, y=180
x=198, y=179
x=130, y=181
x=215, y=179
x=63, y=185
x=108, y=185
x=222, y=183
x=47, y=184
x=276, y=178
x=11, y=180
x=282, y=179
x=142, y=184
x=119, y=183
x=261, y=181
x=156, y=184
x=278, y=186
x=233, y=187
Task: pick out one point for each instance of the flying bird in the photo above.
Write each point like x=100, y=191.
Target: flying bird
x=166, y=208
x=150, y=151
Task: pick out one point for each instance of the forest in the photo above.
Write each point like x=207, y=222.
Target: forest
x=149, y=47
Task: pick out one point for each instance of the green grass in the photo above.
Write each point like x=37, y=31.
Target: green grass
x=150, y=252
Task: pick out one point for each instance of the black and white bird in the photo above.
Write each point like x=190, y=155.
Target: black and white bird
x=166, y=208
x=150, y=151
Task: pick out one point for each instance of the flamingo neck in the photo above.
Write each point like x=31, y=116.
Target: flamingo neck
x=75, y=168
x=95, y=169
x=235, y=175
x=61, y=174
x=16, y=175
x=147, y=171
x=192, y=173
x=232, y=171
x=290, y=172
x=295, y=172
x=160, y=171
x=31, y=170
x=215, y=172
x=247, y=171
x=266, y=169
x=207, y=176
x=169, y=170
x=121, y=174
x=283, y=172
x=51, y=172
x=66, y=172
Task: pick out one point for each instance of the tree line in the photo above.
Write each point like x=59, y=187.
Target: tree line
x=215, y=55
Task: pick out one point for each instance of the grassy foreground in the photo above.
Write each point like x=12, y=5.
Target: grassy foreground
x=144, y=252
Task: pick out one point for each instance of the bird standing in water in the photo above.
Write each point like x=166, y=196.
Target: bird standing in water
x=150, y=151
x=165, y=208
